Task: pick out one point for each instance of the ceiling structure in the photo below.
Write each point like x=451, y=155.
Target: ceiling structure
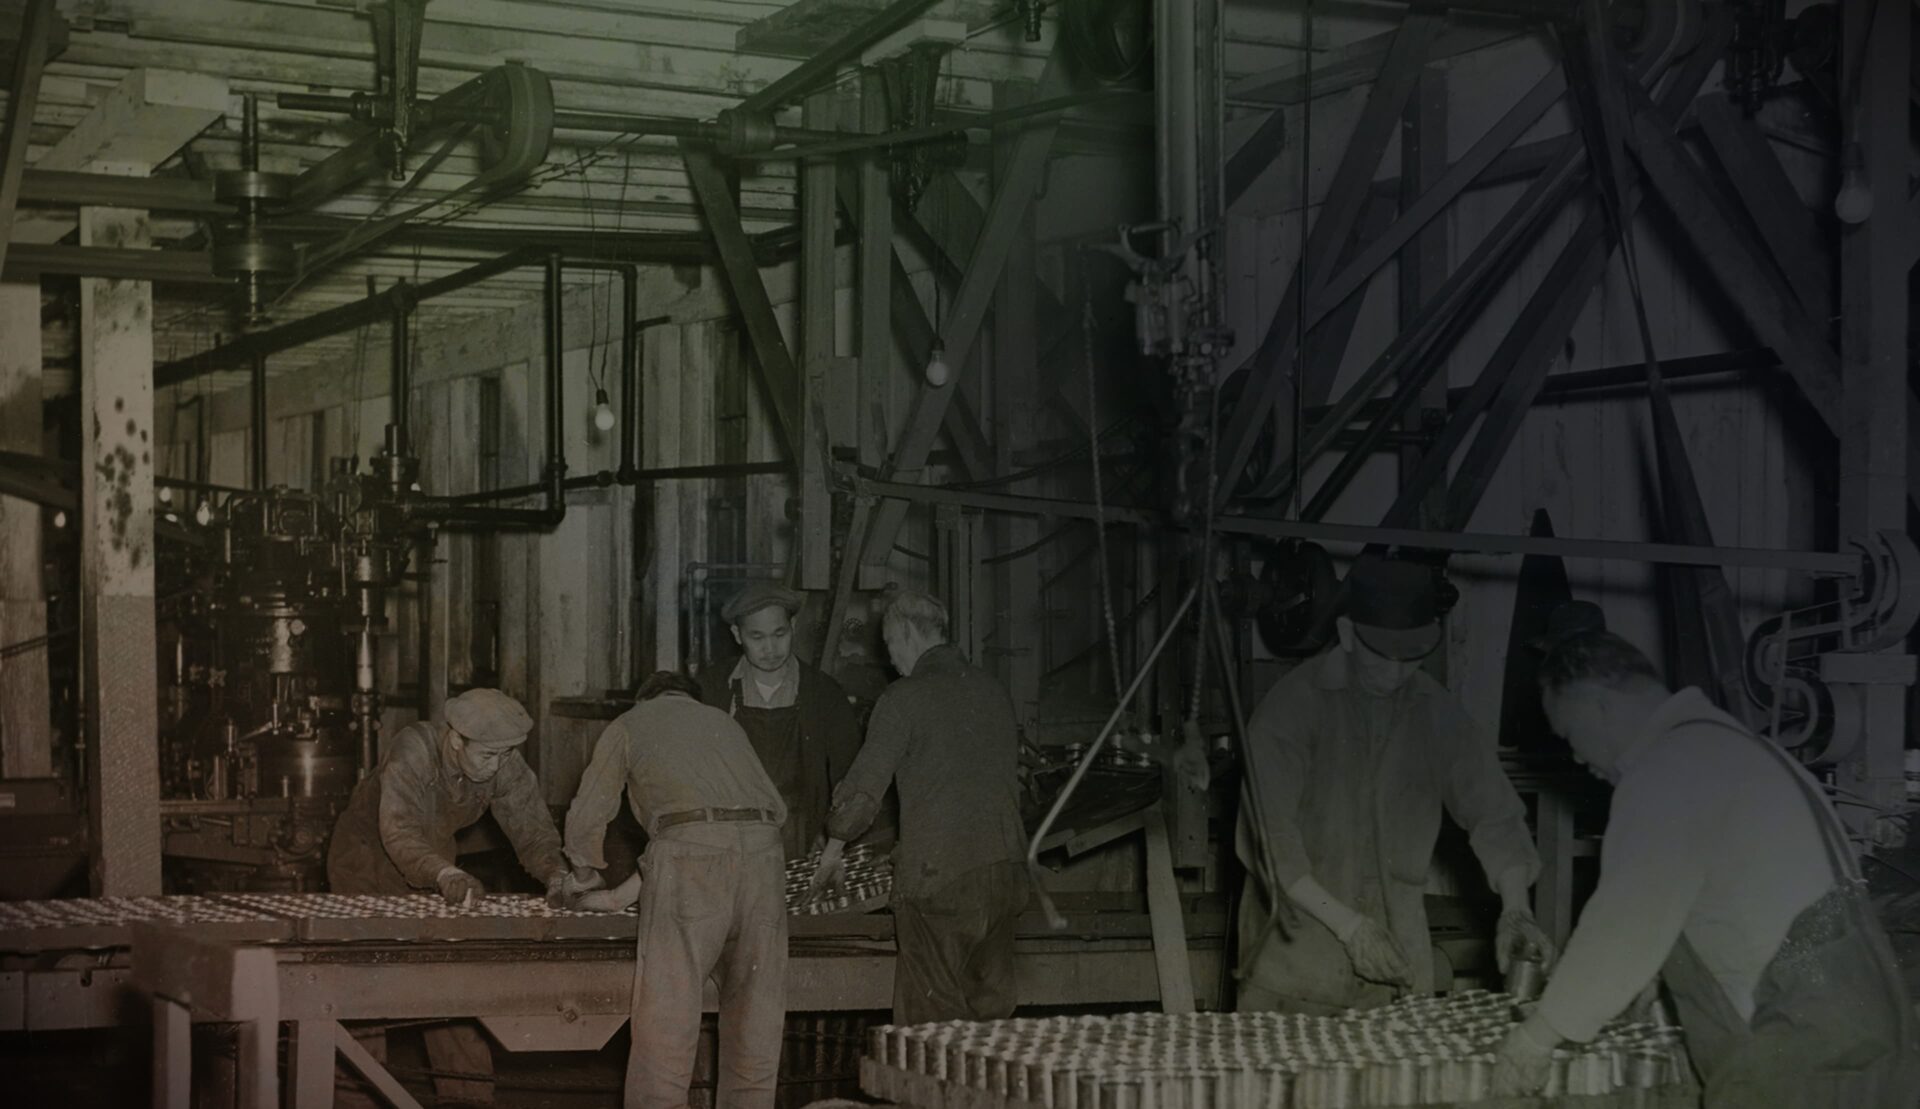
x=681, y=59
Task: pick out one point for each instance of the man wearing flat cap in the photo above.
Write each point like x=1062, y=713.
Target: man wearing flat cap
x=798, y=719
x=396, y=835
x=1358, y=751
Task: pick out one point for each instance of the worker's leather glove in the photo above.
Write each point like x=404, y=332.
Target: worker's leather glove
x=1519, y=936
x=832, y=869
x=459, y=888
x=1376, y=955
x=1523, y=1062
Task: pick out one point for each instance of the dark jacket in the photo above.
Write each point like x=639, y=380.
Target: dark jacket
x=829, y=738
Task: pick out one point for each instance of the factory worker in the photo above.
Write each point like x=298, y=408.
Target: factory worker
x=1724, y=870
x=396, y=835
x=1357, y=752
x=798, y=719
x=711, y=887
x=944, y=735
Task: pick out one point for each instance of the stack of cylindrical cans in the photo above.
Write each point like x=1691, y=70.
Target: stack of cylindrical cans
x=1422, y=1051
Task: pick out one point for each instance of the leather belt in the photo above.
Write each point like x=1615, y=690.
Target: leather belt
x=693, y=816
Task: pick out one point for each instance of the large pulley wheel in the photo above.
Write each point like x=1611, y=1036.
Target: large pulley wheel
x=515, y=140
x=1299, y=596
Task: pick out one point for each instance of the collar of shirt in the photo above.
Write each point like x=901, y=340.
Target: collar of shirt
x=943, y=658
x=1688, y=704
x=1333, y=670
x=786, y=678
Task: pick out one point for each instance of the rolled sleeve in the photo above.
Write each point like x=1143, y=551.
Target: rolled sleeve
x=524, y=817
x=856, y=799
x=406, y=801
x=1652, y=868
x=598, y=798
x=1482, y=800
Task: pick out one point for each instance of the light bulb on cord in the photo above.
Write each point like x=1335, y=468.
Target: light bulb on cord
x=60, y=519
x=203, y=513
x=937, y=369
x=1854, y=202
x=602, y=411
x=165, y=494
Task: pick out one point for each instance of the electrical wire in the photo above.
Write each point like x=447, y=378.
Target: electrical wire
x=1099, y=495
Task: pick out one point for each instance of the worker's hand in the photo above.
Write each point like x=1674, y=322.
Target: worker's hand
x=1519, y=936
x=458, y=888
x=606, y=901
x=1521, y=1065
x=832, y=869
x=565, y=887
x=1190, y=761
x=1376, y=955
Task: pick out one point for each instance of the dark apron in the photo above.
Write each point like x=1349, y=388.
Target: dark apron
x=1830, y=1028
x=778, y=740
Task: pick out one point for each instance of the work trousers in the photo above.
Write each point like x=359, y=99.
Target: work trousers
x=712, y=905
x=1826, y=1031
x=956, y=948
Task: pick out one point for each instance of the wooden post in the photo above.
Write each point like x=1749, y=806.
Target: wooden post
x=26, y=734
x=1168, y=925
x=116, y=565
x=1016, y=590
x=1874, y=432
x=172, y=1055
x=311, y=1067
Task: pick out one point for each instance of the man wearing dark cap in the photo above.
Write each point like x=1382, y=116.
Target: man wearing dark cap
x=1357, y=753
x=799, y=720
x=396, y=835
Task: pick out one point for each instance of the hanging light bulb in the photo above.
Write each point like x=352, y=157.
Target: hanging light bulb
x=60, y=519
x=937, y=369
x=1854, y=202
x=165, y=494
x=203, y=513
x=602, y=411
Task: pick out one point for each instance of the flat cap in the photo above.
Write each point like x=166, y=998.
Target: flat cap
x=759, y=595
x=489, y=716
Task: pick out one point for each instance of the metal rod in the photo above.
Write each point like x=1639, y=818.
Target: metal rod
x=1814, y=562
x=1093, y=750
x=258, y=432
x=603, y=478
x=556, y=471
x=400, y=387
x=885, y=139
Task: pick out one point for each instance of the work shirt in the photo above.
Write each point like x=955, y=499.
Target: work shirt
x=672, y=754
x=1353, y=784
x=1709, y=836
x=757, y=696
x=946, y=737
x=397, y=831
x=805, y=734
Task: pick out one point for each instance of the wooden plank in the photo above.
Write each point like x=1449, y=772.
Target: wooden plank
x=26, y=734
x=310, y=1064
x=961, y=330
x=142, y=122
x=879, y=271
x=818, y=281
x=172, y=1055
x=778, y=373
x=1169, y=926
x=23, y=98
x=371, y=1069
x=1272, y=363
x=1786, y=225
x=116, y=576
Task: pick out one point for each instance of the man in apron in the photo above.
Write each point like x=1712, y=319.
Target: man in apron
x=1356, y=754
x=798, y=719
x=1725, y=870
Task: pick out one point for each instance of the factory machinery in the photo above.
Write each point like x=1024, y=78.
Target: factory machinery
x=271, y=711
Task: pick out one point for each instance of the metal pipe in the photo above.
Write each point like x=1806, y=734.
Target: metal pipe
x=400, y=381
x=1676, y=554
x=603, y=478
x=556, y=471
x=629, y=367
x=258, y=431
x=1039, y=836
x=334, y=321
x=841, y=145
